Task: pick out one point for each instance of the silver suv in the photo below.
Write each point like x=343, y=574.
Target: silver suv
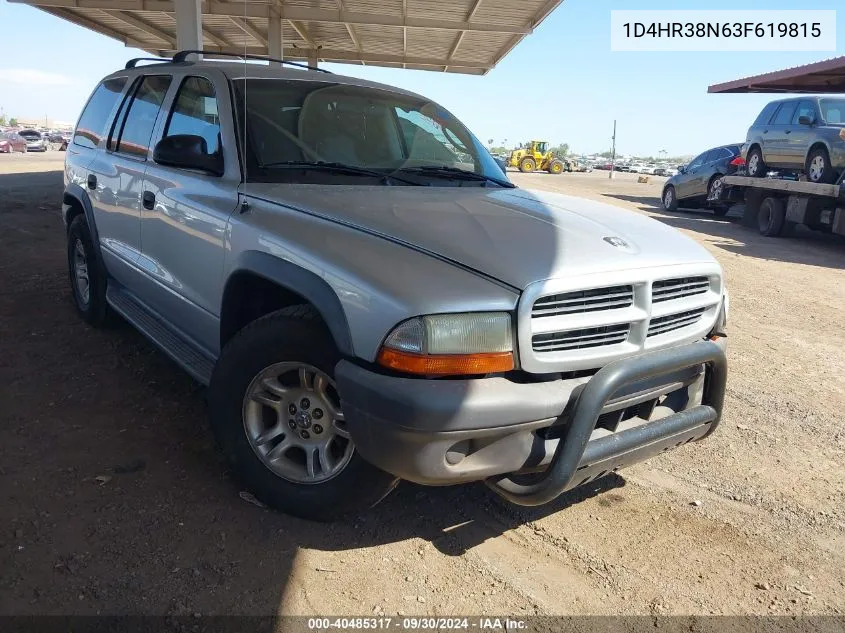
x=803, y=133
x=369, y=299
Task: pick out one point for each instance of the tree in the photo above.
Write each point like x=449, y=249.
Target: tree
x=13, y=121
x=490, y=142
x=3, y=119
x=561, y=150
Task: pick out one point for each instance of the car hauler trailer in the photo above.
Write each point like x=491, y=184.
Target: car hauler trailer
x=775, y=205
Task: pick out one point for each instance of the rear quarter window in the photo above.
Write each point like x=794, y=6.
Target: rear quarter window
x=766, y=113
x=95, y=116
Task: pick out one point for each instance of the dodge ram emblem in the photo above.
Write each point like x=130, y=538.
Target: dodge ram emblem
x=617, y=241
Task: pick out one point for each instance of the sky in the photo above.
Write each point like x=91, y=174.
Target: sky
x=562, y=83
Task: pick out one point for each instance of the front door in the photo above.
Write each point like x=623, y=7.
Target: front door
x=799, y=138
x=685, y=187
x=184, y=216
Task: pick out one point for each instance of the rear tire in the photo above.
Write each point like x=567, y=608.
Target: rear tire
x=754, y=166
x=819, y=168
x=88, y=278
x=771, y=217
x=268, y=445
x=556, y=166
x=669, y=199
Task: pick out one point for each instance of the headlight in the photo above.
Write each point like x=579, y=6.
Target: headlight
x=450, y=344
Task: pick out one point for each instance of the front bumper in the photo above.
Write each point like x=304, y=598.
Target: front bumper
x=556, y=434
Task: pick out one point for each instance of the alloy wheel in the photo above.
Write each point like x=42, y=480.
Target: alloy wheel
x=816, y=168
x=294, y=423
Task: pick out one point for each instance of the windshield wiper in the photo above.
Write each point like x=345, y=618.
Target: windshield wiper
x=340, y=168
x=445, y=171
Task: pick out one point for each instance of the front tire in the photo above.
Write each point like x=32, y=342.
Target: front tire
x=669, y=199
x=275, y=411
x=754, y=166
x=88, y=278
x=819, y=168
x=556, y=167
x=527, y=165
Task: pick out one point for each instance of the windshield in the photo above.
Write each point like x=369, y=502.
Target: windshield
x=30, y=135
x=293, y=123
x=833, y=110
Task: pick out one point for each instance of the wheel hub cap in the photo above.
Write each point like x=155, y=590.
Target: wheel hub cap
x=816, y=168
x=294, y=423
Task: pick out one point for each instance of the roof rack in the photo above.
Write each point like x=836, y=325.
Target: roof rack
x=134, y=62
x=182, y=56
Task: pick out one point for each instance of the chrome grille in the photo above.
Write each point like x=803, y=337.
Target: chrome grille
x=671, y=289
x=580, y=301
x=581, y=339
x=670, y=322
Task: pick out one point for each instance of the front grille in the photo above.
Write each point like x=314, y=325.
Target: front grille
x=581, y=339
x=670, y=322
x=591, y=300
x=671, y=289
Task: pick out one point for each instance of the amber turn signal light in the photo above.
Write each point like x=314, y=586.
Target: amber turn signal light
x=446, y=364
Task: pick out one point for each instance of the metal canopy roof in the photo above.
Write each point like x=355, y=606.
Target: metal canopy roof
x=822, y=77
x=462, y=36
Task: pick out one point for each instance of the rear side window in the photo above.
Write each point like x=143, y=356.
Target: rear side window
x=784, y=115
x=766, y=115
x=195, y=112
x=141, y=118
x=735, y=150
x=92, y=123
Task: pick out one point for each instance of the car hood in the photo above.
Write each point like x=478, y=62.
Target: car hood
x=517, y=236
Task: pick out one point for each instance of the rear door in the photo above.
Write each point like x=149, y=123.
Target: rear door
x=185, y=211
x=119, y=176
x=776, y=147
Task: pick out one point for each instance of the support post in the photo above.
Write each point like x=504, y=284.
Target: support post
x=275, y=46
x=312, y=58
x=613, y=152
x=188, y=15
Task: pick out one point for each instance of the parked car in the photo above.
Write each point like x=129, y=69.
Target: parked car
x=695, y=182
x=801, y=133
x=12, y=142
x=34, y=141
x=367, y=299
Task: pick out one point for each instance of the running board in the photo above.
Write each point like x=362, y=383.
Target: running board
x=171, y=343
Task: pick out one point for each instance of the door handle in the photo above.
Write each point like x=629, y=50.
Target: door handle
x=788, y=132
x=765, y=131
x=92, y=181
x=148, y=199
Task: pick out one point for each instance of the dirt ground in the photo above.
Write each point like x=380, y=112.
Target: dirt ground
x=115, y=501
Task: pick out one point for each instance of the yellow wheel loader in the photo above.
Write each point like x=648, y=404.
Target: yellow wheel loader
x=536, y=155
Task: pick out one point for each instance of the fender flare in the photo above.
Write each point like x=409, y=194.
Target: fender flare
x=303, y=282
x=81, y=196
x=816, y=143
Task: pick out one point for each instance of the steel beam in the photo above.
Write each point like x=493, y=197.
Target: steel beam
x=302, y=14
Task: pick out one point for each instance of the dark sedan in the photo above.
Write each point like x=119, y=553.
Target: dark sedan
x=698, y=181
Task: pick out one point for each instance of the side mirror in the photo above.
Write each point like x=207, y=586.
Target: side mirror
x=805, y=120
x=682, y=169
x=188, y=151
